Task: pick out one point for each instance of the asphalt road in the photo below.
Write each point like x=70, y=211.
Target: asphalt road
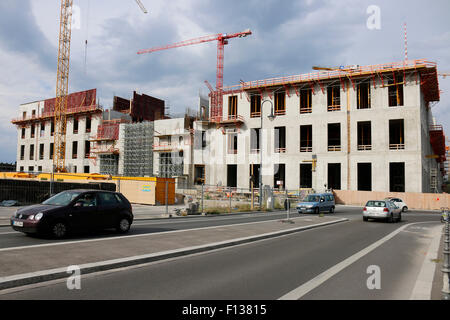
x=10, y=238
x=266, y=269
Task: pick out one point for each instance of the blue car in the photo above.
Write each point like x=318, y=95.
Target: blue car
x=315, y=203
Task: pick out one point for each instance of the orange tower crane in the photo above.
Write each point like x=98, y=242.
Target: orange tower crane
x=222, y=40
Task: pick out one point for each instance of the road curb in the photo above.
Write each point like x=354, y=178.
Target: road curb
x=173, y=217
x=60, y=273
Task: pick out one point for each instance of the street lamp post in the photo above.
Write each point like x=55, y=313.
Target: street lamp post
x=271, y=117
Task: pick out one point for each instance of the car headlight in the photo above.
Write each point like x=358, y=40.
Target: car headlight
x=36, y=217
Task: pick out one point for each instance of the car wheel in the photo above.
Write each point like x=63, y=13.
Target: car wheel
x=316, y=210
x=332, y=210
x=365, y=219
x=391, y=218
x=405, y=208
x=399, y=217
x=123, y=226
x=59, y=230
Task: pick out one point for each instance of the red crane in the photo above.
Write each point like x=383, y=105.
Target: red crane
x=222, y=40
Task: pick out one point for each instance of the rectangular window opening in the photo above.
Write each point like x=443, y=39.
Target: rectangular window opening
x=254, y=140
x=199, y=174
x=41, y=151
x=334, y=137
x=395, y=88
x=364, y=176
x=232, y=107
x=334, y=176
x=396, y=134
x=232, y=143
x=306, y=175
x=279, y=177
x=364, y=136
x=280, y=139
x=32, y=152
x=306, y=101
x=254, y=176
x=334, y=98
x=75, y=126
x=280, y=103
x=74, y=149
x=397, y=177
x=364, y=98
x=51, y=151
x=306, y=138
x=88, y=124
x=255, y=106
x=232, y=175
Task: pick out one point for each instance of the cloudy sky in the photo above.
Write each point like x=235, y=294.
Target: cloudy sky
x=288, y=38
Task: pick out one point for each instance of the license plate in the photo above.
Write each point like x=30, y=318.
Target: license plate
x=18, y=223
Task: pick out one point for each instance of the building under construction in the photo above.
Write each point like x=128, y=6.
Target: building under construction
x=360, y=128
x=92, y=134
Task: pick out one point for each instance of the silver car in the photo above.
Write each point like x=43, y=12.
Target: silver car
x=383, y=210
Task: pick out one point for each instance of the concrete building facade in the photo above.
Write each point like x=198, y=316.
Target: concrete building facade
x=372, y=134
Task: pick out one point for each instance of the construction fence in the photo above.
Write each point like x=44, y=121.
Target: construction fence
x=421, y=201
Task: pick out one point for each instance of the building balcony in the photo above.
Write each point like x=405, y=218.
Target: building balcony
x=280, y=112
x=254, y=151
x=280, y=150
x=255, y=114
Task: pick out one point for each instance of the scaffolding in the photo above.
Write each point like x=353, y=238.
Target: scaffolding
x=138, y=149
x=171, y=164
x=109, y=164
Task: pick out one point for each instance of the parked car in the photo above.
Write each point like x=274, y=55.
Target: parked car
x=75, y=210
x=382, y=209
x=315, y=203
x=399, y=203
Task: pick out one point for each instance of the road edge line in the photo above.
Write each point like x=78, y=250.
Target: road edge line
x=310, y=285
x=424, y=282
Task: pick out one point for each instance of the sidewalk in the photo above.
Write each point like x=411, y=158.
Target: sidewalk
x=26, y=265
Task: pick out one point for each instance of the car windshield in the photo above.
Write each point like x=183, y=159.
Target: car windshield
x=312, y=198
x=62, y=199
x=379, y=204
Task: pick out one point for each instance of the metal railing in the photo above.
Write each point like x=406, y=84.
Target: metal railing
x=364, y=147
x=305, y=149
x=334, y=108
x=305, y=110
x=400, y=146
x=334, y=148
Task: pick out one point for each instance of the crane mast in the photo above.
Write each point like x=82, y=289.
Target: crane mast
x=62, y=85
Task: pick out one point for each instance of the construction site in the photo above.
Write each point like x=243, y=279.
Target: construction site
x=356, y=128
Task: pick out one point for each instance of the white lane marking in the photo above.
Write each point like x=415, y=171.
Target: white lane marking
x=424, y=282
x=129, y=237
x=324, y=276
x=161, y=253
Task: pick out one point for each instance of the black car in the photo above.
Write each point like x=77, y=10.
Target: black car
x=75, y=210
